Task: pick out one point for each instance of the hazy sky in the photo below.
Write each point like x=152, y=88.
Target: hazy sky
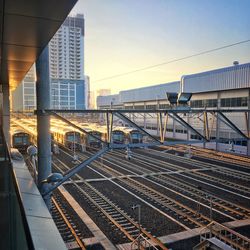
x=125, y=35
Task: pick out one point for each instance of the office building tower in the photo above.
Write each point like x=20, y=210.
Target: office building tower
x=66, y=58
x=66, y=52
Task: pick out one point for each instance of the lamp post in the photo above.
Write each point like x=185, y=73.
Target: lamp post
x=139, y=223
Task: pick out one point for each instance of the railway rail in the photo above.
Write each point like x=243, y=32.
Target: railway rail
x=180, y=188
x=119, y=218
x=114, y=214
x=225, y=184
x=70, y=234
x=211, y=154
x=174, y=210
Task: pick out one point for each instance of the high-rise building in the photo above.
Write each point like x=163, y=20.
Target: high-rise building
x=66, y=52
x=66, y=58
x=24, y=96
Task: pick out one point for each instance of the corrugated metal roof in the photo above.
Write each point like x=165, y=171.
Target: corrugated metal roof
x=106, y=100
x=233, y=77
x=155, y=92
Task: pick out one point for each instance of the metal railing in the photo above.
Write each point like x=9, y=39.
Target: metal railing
x=15, y=233
x=226, y=235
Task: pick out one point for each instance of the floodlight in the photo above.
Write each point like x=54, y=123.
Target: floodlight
x=32, y=150
x=172, y=97
x=52, y=178
x=184, y=98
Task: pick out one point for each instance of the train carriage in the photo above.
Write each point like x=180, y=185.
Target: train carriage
x=90, y=141
x=122, y=135
x=67, y=137
x=21, y=140
x=133, y=135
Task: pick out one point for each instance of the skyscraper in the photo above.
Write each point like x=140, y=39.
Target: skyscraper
x=66, y=60
x=67, y=65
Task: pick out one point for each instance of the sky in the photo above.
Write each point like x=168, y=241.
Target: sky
x=126, y=35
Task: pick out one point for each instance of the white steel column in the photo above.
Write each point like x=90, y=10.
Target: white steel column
x=218, y=122
x=248, y=121
x=43, y=121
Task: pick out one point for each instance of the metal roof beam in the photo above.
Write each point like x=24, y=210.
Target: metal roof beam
x=126, y=119
x=75, y=126
x=185, y=124
x=75, y=170
x=148, y=111
x=231, y=124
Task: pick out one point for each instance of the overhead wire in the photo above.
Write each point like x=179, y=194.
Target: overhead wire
x=172, y=61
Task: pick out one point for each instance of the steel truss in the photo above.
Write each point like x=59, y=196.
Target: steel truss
x=162, y=116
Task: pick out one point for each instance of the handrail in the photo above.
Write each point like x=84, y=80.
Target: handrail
x=225, y=234
x=17, y=192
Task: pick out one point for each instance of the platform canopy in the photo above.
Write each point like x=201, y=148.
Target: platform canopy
x=26, y=27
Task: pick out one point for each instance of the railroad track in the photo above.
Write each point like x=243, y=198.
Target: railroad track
x=190, y=218
x=179, y=212
x=187, y=190
x=63, y=168
x=67, y=229
x=215, y=168
x=215, y=156
x=116, y=215
x=174, y=210
x=240, y=189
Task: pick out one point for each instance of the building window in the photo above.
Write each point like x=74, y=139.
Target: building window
x=150, y=106
x=234, y=102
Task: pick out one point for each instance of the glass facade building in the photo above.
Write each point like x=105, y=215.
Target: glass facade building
x=66, y=59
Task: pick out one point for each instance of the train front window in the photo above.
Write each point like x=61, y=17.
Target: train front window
x=118, y=137
x=135, y=136
x=25, y=140
x=92, y=139
x=73, y=138
x=21, y=140
x=18, y=140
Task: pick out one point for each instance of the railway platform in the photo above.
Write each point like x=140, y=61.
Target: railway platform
x=25, y=220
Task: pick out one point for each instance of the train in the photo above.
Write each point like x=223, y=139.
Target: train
x=121, y=135
x=75, y=139
x=20, y=139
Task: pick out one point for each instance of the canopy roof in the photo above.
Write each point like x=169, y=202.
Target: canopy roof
x=26, y=27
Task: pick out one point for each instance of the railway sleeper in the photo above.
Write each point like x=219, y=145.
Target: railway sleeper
x=112, y=212
x=125, y=224
x=121, y=221
x=129, y=227
x=117, y=216
x=133, y=231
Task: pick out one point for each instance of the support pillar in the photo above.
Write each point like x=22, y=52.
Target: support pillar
x=218, y=123
x=174, y=126
x=188, y=131
x=43, y=121
x=248, y=124
x=6, y=113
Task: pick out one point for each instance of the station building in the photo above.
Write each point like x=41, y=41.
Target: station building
x=225, y=88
